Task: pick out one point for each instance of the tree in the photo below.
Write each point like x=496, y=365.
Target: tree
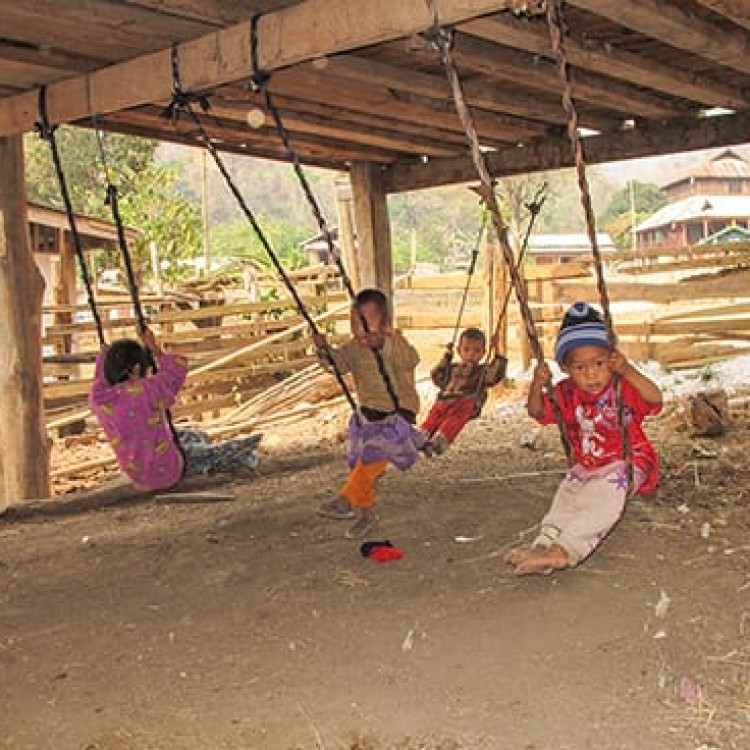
x=237, y=239
x=84, y=171
x=628, y=206
x=151, y=200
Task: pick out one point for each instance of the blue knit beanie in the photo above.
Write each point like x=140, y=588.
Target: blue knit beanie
x=582, y=326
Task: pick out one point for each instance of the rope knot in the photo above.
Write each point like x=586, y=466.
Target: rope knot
x=42, y=126
x=181, y=101
x=258, y=80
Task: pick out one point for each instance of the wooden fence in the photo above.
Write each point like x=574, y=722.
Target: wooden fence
x=683, y=307
x=235, y=350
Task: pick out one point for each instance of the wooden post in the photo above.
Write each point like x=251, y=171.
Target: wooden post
x=25, y=462
x=346, y=230
x=373, y=227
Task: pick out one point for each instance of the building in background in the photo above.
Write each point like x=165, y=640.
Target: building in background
x=545, y=249
x=711, y=197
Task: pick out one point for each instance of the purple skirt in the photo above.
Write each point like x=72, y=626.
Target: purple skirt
x=392, y=439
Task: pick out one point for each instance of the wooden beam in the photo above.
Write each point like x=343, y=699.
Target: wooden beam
x=737, y=11
x=372, y=227
x=25, y=449
x=438, y=112
x=291, y=35
x=381, y=120
x=678, y=27
x=226, y=146
x=405, y=78
x=109, y=30
x=487, y=92
x=333, y=127
x=65, y=62
x=590, y=54
x=648, y=139
x=511, y=65
x=221, y=129
x=219, y=13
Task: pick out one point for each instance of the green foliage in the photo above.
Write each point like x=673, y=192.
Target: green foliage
x=628, y=206
x=237, y=240
x=149, y=195
x=438, y=223
x=79, y=153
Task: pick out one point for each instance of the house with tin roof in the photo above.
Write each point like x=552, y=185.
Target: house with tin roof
x=712, y=196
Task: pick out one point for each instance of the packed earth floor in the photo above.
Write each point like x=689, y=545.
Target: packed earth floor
x=255, y=624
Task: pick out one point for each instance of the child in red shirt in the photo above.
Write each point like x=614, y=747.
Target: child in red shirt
x=591, y=498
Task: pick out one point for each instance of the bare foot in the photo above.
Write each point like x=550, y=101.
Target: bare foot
x=542, y=560
x=518, y=554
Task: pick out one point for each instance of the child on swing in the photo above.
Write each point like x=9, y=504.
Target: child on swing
x=592, y=496
x=463, y=388
x=131, y=406
x=382, y=363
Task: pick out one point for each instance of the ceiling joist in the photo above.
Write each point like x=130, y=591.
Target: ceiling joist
x=649, y=139
x=676, y=26
x=291, y=35
x=607, y=60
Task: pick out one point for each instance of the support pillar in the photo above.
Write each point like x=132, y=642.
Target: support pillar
x=347, y=240
x=372, y=226
x=25, y=445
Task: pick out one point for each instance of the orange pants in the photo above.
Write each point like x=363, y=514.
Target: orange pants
x=359, y=488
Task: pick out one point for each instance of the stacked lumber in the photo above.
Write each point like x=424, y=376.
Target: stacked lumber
x=303, y=395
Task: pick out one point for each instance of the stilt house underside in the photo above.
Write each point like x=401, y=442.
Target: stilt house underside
x=356, y=81
x=360, y=89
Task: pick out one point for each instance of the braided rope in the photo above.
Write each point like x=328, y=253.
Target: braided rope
x=443, y=40
x=182, y=102
x=556, y=25
x=47, y=132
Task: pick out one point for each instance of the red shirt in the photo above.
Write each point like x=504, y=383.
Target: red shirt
x=594, y=434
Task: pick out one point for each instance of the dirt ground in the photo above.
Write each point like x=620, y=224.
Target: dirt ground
x=254, y=623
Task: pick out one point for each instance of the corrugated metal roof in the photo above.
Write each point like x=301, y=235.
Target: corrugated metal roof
x=699, y=207
x=575, y=242
x=726, y=165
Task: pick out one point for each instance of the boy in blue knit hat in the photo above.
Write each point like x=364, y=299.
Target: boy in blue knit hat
x=591, y=498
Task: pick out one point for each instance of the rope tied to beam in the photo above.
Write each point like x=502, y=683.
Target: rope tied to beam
x=556, y=25
x=47, y=132
x=182, y=99
x=259, y=80
x=487, y=192
x=112, y=200
x=183, y=102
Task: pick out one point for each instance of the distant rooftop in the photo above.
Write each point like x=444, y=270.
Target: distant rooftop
x=728, y=165
x=577, y=242
x=699, y=207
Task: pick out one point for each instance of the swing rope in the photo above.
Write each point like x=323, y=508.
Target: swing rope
x=112, y=200
x=183, y=101
x=47, y=132
x=443, y=38
x=534, y=207
x=259, y=80
x=469, y=275
x=556, y=25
